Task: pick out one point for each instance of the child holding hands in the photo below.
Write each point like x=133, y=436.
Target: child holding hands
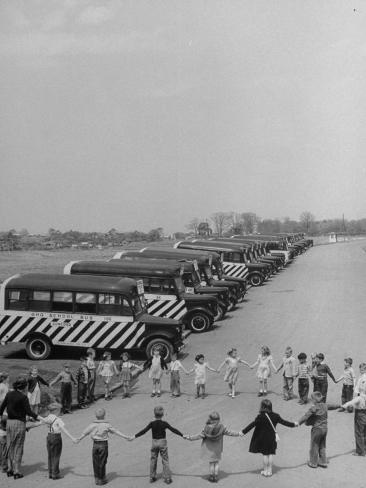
x=232, y=363
x=200, y=376
x=264, y=362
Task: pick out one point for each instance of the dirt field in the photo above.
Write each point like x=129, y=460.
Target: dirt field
x=317, y=304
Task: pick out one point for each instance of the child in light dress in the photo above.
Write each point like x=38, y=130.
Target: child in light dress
x=156, y=365
x=200, y=376
x=107, y=369
x=34, y=389
x=213, y=443
x=232, y=362
x=264, y=362
x=126, y=367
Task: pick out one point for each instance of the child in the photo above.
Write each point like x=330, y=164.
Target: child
x=303, y=373
x=174, y=367
x=66, y=378
x=361, y=382
x=265, y=437
x=34, y=390
x=320, y=375
x=359, y=404
x=90, y=364
x=232, y=362
x=125, y=368
x=156, y=365
x=54, y=439
x=3, y=449
x=289, y=373
x=99, y=431
x=349, y=380
x=82, y=379
x=317, y=417
x=213, y=443
x=200, y=375
x=264, y=362
x=107, y=369
x=159, y=444
x=4, y=386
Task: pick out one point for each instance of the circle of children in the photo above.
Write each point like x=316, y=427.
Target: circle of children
x=22, y=403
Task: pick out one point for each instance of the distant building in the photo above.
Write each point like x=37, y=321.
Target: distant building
x=204, y=230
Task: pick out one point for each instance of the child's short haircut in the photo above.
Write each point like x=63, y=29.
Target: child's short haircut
x=288, y=349
x=107, y=354
x=317, y=396
x=158, y=412
x=265, y=406
x=363, y=366
x=320, y=356
x=266, y=350
x=348, y=361
x=302, y=356
x=100, y=413
x=66, y=365
x=3, y=377
x=125, y=354
x=233, y=349
x=198, y=357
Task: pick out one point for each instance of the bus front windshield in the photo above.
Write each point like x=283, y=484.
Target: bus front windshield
x=139, y=304
x=180, y=285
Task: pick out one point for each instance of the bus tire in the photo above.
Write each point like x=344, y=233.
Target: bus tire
x=165, y=346
x=256, y=279
x=199, y=322
x=38, y=348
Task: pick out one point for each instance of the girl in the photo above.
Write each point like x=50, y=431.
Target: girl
x=232, y=369
x=213, y=443
x=156, y=365
x=107, y=369
x=265, y=437
x=264, y=362
x=90, y=364
x=125, y=370
x=200, y=375
x=34, y=390
x=174, y=366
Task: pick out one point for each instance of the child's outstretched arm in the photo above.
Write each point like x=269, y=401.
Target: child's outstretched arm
x=55, y=380
x=196, y=437
x=65, y=431
x=279, y=367
x=85, y=433
x=183, y=368
x=251, y=366
x=233, y=433
x=274, y=366
x=244, y=362
x=212, y=369
x=117, y=432
x=221, y=366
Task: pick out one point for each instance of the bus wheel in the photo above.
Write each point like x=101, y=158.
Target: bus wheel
x=165, y=347
x=256, y=279
x=38, y=348
x=199, y=322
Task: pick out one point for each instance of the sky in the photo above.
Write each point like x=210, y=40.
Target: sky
x=137, y=114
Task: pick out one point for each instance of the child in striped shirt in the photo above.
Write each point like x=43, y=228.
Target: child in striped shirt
x=303, y=374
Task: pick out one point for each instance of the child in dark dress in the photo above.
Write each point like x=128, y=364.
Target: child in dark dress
x=264, y=439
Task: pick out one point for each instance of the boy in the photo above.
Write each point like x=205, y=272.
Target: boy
x=303, y=372
x=66, y=378
x=361, y=383
x=289, y=373
x=317, y=417
x=54, y=439
x=82, y=377
x=349, y=380
x=99, y=431
x=320, y=375
x=359, y=403
x=3, y=449
x=159, y=444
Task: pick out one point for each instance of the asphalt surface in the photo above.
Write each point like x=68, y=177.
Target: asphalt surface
x=316, y=305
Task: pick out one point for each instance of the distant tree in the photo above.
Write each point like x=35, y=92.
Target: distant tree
x=249, y=221
x=269, y=226
x=155, y=234
x=221, y=222
x=307, y=219
x=237, y=225
x=192, y=226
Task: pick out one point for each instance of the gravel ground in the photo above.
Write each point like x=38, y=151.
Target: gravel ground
x=317, y=304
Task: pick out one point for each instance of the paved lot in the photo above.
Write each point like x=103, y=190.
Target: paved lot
x=317, y=304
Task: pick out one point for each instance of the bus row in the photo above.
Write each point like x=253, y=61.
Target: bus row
x=140, y=298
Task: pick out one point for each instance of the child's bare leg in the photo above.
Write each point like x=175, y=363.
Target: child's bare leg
x=154, y=387
x=106, y=389
x=265, y=466
x=265, y=383
x=158, y=387
x=233, y=391
x=203, y=389
x=211, y=471
x=198, y=389
x=260, y=388
x=270, y=464
x=216, y=471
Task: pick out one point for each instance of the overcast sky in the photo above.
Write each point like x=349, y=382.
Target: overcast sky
x=136, y=114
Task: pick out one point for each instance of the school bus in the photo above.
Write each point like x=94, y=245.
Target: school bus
x=47, y=310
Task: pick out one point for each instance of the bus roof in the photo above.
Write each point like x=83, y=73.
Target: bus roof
x=205, y=246
x=120, y=267
x=38, y=281
x=181, y=252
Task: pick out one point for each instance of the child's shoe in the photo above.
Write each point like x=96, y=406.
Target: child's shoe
x=168, y=481
x=152, y=479
x=152, y=394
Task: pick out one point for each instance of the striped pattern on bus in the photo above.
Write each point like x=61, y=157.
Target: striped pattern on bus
x=236, y=270
x=72, y=332
x=171, y=309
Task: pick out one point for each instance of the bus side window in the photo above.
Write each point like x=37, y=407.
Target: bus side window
x=40, y=300
x=109, y=304
x=146, y=284
x=156, y=286
x=126, y=308
x=85, y=303
x=168, y=287
x=62, y=301
x=18, y=299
